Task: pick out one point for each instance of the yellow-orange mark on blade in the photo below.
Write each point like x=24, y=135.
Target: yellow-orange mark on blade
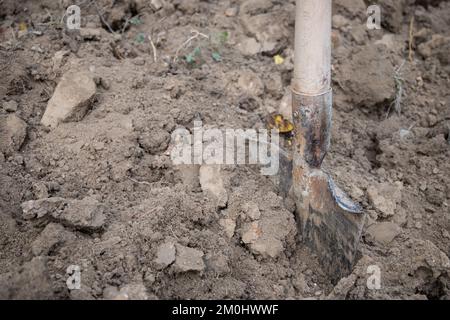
x=276, y=121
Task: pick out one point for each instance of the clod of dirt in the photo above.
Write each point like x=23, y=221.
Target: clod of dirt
x=228, y=225
x=367, y=78
x=231, y=11
x=156, y=4
x=87, y=214
x=250, y=84
x=13, y=131
x=165, y=255
x=251, y=210
x=248, y=103
x=133, y=291
x=212, y=183
x=188, y=259
x=155, y=141
x=352, y=8
x=92, y=34
x=10, y=106
x=218, y=264
x=58, y=59
x=256, y=18
x=384, y=232
x=438, y=46
x=267, y=236
x=249, y=46
x=385, y=197
x=53, y=236
x=72, y=98
x=31, y=281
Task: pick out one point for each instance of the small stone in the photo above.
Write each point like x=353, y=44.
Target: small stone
x=58, y=59
x=218, y=264
x=40, y=190
x=229, y=225
x=110, y=293
x=340, y=21
x=188, y=259
x=149, y=277
x=249, y=47
x=251, y=210
x=135, y=291
x=87, y=214
x=211, y=182
x=251, y=232
x=155, y=141
x=231, y=12
x=35, y=209
x=384, y=232
x=385, y=197
x=156, y=4
x=165, y=255
x=10, y=106
x=72, y=98
x=139, y=61
x=250, y=83
x=13, y=131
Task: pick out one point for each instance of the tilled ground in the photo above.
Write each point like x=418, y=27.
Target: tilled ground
x=100, y=191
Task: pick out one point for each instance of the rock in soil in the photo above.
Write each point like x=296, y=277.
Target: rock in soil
x=10, y=106
x=13, y=131
x=385, y=197
x=383, y=232
x=71, y=100
x=367, y=78
x=133, y=291
x=188, y=259
x=165, y=255
x=87, y=214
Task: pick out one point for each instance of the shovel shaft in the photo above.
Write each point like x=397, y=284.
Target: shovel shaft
x=312, y=66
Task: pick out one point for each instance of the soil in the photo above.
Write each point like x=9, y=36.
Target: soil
x=100, y=191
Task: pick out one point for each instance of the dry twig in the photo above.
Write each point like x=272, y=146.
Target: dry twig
x=411, y=39
x=195, y=35
x=153, y=48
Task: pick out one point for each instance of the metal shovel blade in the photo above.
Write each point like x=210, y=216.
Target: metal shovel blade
x=330, y=223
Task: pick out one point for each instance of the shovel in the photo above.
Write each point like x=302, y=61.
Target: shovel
x=329, y=222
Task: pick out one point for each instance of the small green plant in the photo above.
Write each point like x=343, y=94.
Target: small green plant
x=211, y=46
x=140, y=37
x=195, y=57
x=216, y=56
x=135, y=21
